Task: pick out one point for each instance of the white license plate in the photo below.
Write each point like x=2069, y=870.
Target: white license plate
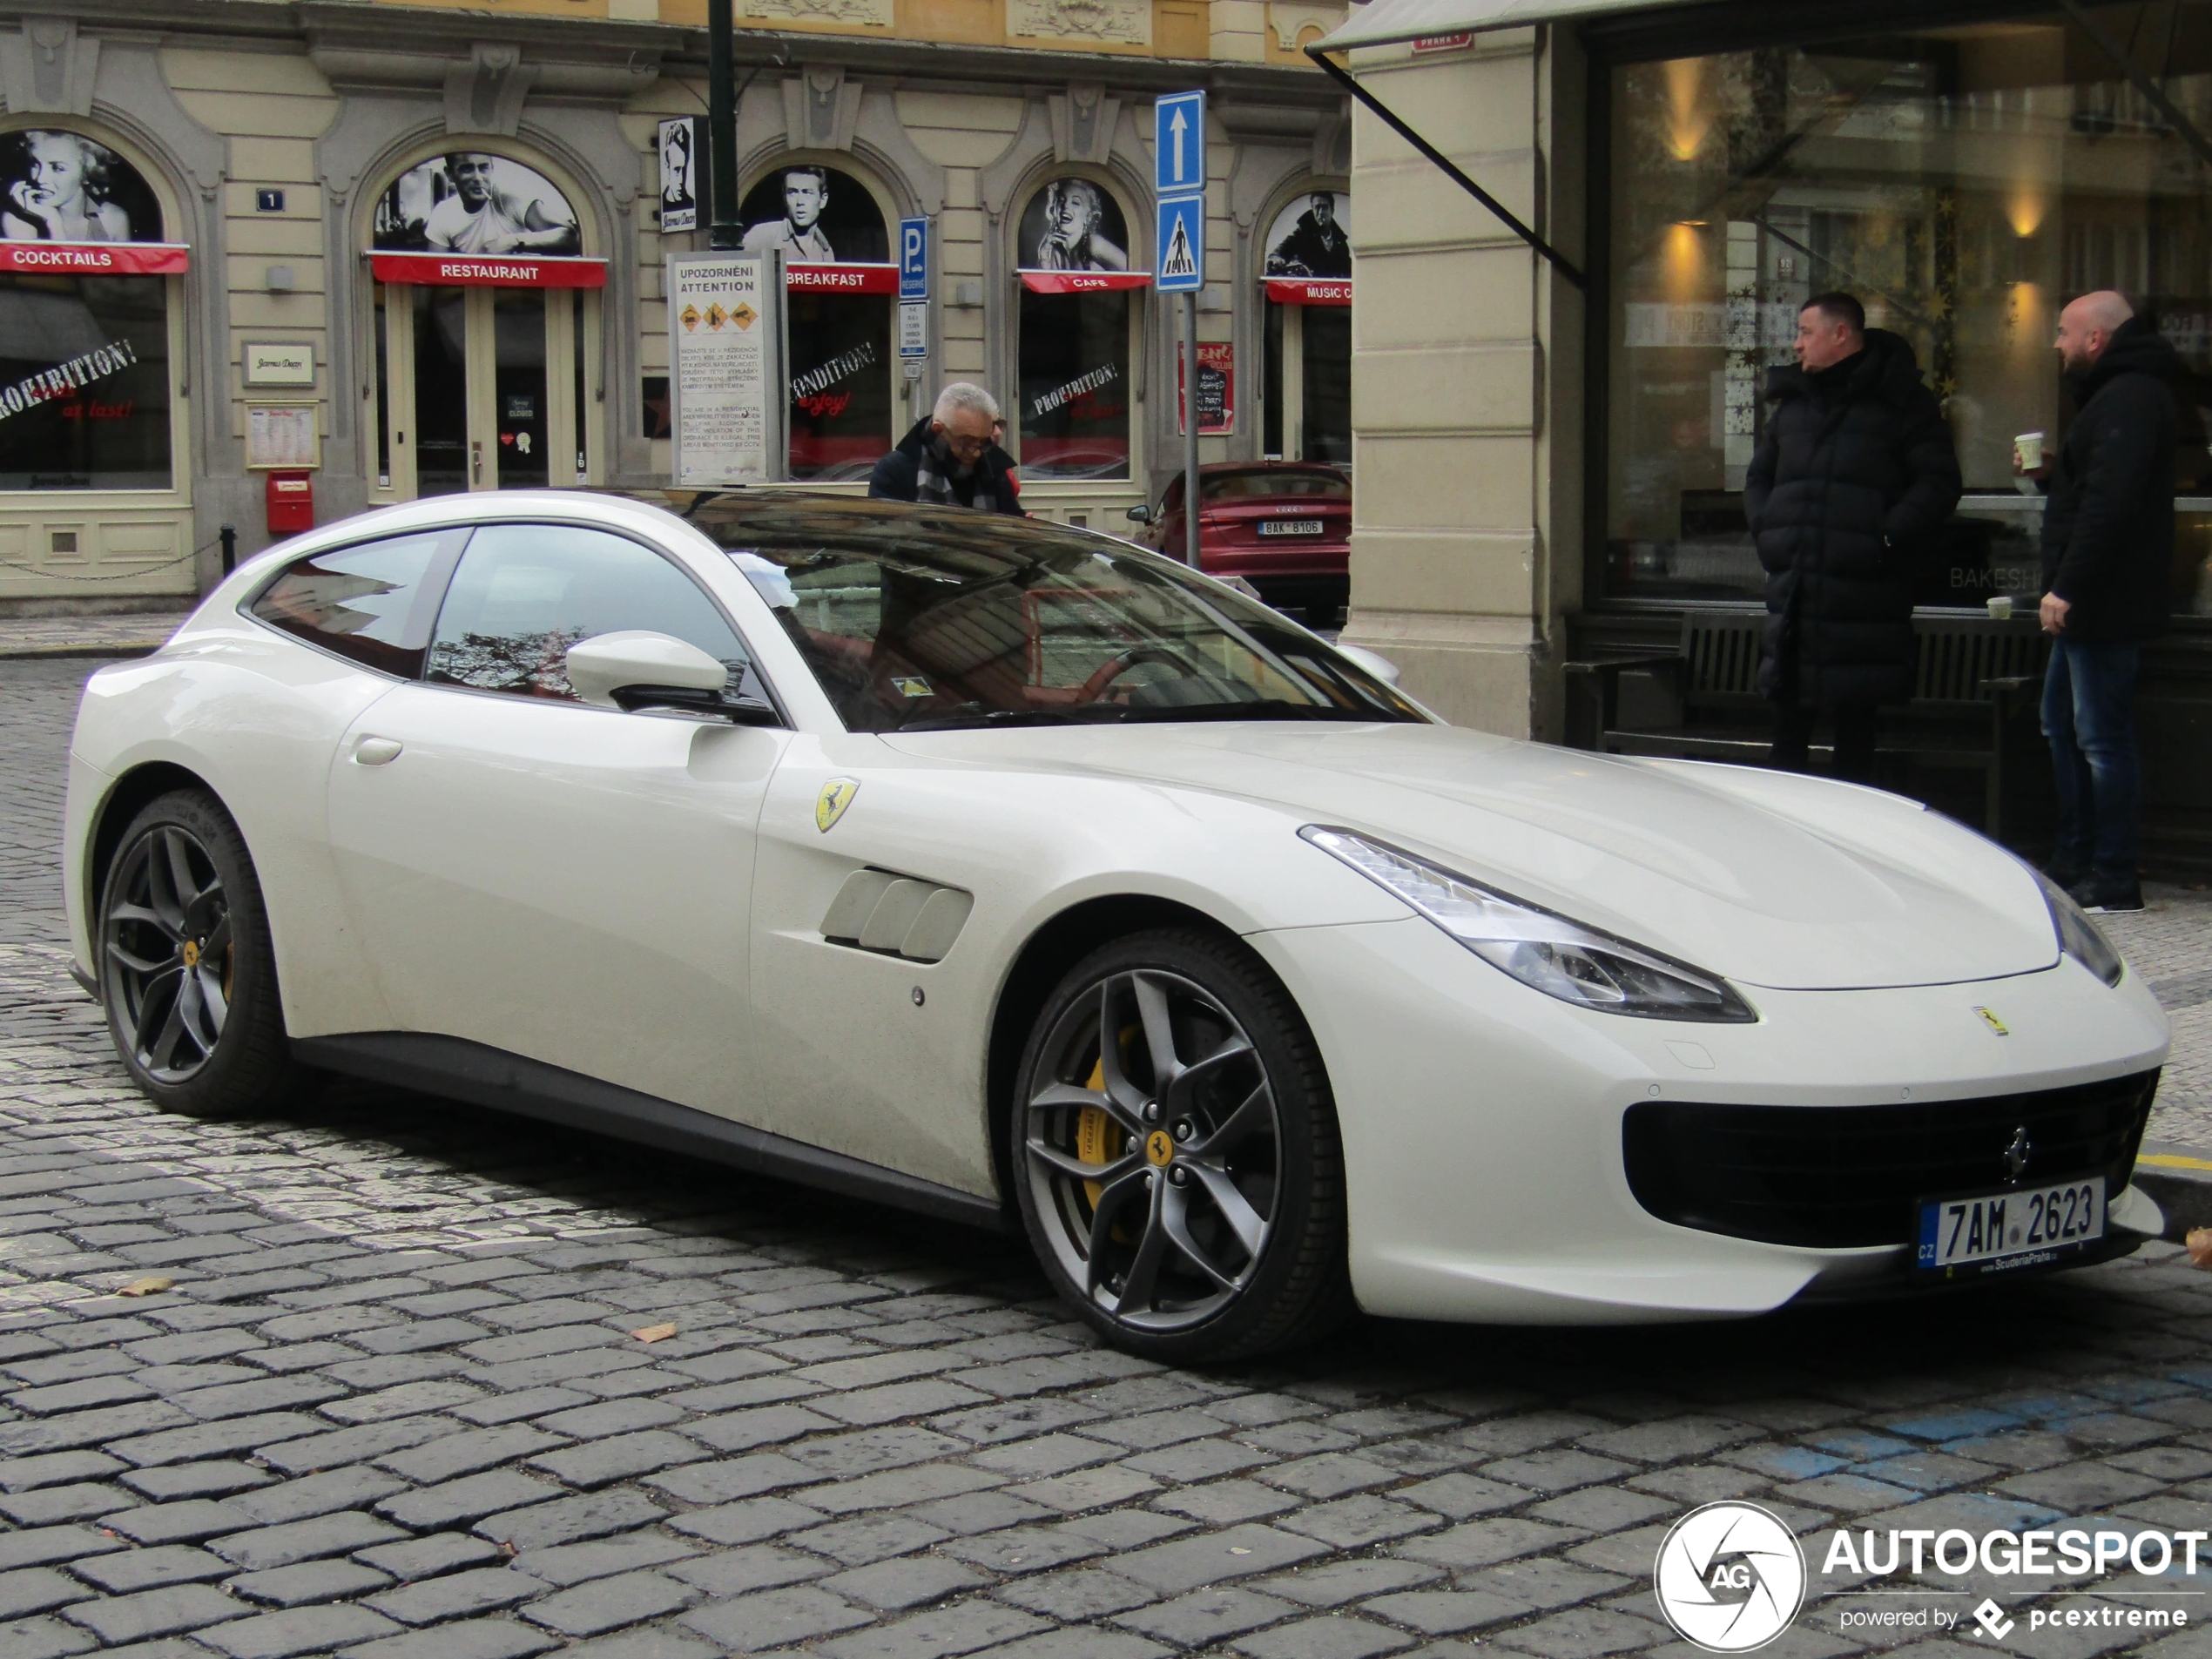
x=1994, y=1230
x=1290, y=526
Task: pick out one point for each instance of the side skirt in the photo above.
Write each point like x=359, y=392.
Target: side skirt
x=486, y=1076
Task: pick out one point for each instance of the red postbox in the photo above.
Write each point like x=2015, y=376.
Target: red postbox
x=291, y=500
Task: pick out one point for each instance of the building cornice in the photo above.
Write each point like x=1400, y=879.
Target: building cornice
x=359, y=38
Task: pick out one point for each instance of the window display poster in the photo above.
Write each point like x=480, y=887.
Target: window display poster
x=1073, y=223
x=725, y=336
x=680, y=173
x=1217, y=388
x=56, y=185
x=472, y=201
x=1311, y=237
x=816, y=215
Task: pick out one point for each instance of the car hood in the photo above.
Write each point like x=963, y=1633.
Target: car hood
x=1769, y=878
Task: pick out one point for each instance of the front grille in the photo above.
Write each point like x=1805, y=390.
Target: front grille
x=1835, y=1176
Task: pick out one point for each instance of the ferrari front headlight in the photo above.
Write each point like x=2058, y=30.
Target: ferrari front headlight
x=1543, y=950
x=2079, y=937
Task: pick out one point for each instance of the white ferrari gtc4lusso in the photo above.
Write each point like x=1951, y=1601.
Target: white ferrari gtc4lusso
x=994, y=869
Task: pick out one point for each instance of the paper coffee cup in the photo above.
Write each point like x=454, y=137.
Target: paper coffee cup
x=2000, y=607
x=2027, y=450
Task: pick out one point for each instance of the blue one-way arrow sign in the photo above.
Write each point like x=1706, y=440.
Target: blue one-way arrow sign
x=1179, y=144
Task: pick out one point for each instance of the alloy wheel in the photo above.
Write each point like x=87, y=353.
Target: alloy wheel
x=165, y=952
x=1154, y=1150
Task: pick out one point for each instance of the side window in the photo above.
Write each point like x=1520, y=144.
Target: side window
x=525, y=593
x=371, y=602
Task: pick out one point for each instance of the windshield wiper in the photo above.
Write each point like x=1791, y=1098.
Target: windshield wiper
x=1272, y=708
x=1105, y=714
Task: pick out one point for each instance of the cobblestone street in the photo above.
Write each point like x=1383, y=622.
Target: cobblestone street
x=396, y=1403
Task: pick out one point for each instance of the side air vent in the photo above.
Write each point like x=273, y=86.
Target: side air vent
x=897, y=915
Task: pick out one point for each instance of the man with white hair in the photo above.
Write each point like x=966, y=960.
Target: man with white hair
x=2107, y=580
x=949, y=459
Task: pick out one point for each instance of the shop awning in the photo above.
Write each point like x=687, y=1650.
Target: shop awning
x=1083, y=281
x=488, y=270
x=1386, y=23
x=96, y=258
x=841, y=278
x=1309, y=291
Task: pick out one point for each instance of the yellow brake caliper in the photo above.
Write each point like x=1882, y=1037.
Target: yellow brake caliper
x=1099, y=1139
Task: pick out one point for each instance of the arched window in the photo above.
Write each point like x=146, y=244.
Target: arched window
x=1307, y=265
x=840, y=288
x=85, y=400
x=487, y=327
x=1076, y=345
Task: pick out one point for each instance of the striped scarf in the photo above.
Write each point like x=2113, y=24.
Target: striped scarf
x=932, y=485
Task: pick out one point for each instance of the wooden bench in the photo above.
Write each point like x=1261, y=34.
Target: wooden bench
x=1975, y=686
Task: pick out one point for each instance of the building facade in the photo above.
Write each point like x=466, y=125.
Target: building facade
x=1551, y=454
x=380, y=250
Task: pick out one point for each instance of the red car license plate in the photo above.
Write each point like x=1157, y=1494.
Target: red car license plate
x=1290, y=526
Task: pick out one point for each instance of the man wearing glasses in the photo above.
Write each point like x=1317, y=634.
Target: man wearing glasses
x=950, y=459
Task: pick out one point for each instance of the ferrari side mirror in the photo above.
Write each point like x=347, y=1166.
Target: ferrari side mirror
x=635, y=668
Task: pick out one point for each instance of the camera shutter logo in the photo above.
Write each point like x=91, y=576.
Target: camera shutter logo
x=1730, y=1577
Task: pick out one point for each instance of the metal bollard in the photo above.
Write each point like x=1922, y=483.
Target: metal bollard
x=228, y=536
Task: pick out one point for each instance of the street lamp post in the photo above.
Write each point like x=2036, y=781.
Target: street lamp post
x=724, y=230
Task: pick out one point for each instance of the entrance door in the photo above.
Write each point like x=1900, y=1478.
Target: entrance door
x=484, y=388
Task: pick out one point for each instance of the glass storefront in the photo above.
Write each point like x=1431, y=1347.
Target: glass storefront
x=1965, y=181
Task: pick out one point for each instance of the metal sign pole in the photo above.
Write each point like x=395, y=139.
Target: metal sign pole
x=1190, y=430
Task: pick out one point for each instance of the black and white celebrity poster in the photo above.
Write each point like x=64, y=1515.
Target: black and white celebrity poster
x=680, y=173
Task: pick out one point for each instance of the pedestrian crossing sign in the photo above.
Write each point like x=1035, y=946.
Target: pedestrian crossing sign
x=1181, y=245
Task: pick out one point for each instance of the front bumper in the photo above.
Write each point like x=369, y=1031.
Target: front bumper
x=1482, y=1120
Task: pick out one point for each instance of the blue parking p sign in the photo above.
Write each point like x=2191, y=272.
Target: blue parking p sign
x=914, y=258
x=1181, y=245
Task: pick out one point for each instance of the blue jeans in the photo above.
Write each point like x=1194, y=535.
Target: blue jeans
x=2088, y=715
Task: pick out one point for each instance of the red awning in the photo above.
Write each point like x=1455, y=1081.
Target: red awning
x=96, y=258
x=1309, y=291
x=841, y=278
x=1083, y=281
x=488, y=270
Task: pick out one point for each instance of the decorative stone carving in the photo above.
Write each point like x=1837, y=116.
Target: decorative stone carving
x=486, y=93
x=821, y=107
x=1082, y=123
x=1291, y=21
x=875, y=14
x=48, y=66
x=1124, y=22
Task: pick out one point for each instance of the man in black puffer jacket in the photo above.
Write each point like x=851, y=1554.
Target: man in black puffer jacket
x=2107, y=576
x=1851, y=484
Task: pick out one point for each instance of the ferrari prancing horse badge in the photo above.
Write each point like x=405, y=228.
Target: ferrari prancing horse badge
x=837, y=794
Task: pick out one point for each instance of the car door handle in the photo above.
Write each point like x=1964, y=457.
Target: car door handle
x=376, y=752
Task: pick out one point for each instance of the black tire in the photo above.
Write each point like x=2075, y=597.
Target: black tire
x=187, y=974
x=1215, y=1229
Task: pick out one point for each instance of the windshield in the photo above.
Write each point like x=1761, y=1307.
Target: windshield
x=939, y=621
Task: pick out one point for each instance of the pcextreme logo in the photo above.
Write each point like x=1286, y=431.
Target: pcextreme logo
x=1730, y=1577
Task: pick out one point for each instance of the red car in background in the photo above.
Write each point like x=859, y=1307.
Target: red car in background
x=1285, y=526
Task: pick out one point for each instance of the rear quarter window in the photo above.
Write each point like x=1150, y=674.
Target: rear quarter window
x=373, y=603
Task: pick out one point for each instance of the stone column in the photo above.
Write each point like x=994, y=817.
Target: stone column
x=1466, y=541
